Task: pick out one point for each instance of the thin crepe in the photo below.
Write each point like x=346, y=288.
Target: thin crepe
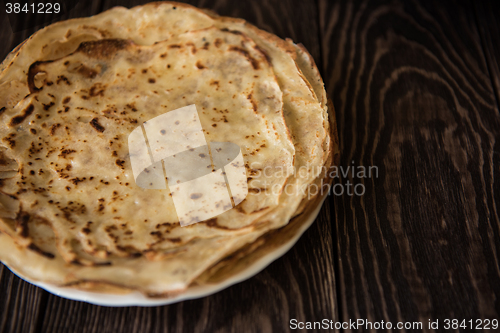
x=178, y=259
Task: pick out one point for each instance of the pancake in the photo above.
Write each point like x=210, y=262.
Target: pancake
x=73, y=93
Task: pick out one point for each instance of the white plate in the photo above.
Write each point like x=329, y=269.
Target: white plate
x=138, y=299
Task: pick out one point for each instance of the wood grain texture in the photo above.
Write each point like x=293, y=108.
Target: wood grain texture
x=489, y=26
x=20, y=304
x=299, y=285
x=416, y=88
x=414, y=97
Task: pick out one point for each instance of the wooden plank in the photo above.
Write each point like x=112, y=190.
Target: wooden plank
x=20, y=304
x=489, y=29
x=414, y=98
x=300, y=285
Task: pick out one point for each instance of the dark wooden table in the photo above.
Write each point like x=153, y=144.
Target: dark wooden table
x=416, y=88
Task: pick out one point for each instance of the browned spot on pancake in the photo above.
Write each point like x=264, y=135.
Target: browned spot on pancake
x=253, y=61
x=22, y=224
x=151, y=80
x=76, y=262
x=193, y=47
x=163, y=55
x=212, y=223
x=264, y=53
x=131, y=106
x=87, y=72
x=66, y=152
x=199, y=65
x=130, y=250
x=174, y=46
x=77, y=180
x=110, y=111
x=46, y=107
x=97, y=90
x=235, y=32
x=103, y=49
x=107, y=263
x=206, y=45
x=54, y=128
x=62, y=78
x=10, y=141
x=95, y=124
x=66, y=100
x=120, y=163
x=218, y=42
x=19, y=119
x=32, y=72
x=254, y=105
x=2, y=110
x=174, y=240
x=38, y=250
